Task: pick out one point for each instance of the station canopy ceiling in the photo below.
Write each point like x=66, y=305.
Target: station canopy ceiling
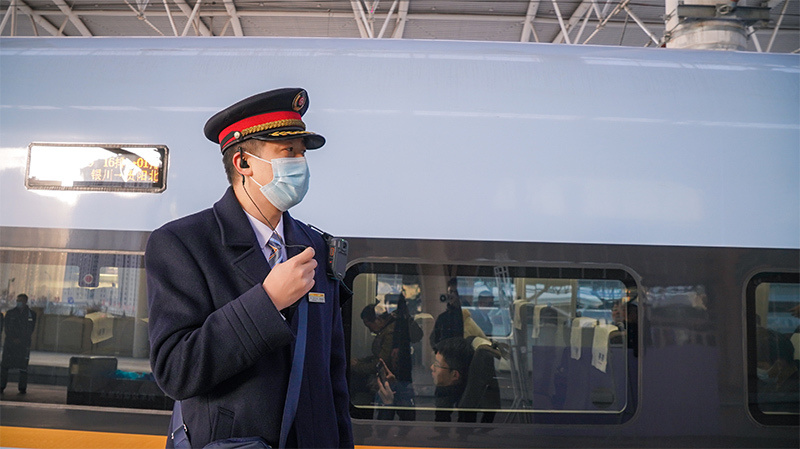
x=634, y=23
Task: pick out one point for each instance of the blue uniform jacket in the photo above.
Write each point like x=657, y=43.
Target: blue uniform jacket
x=219, y=344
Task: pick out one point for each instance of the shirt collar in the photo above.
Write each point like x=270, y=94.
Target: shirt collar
x=263, y=232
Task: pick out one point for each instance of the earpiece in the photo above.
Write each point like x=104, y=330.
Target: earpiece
x=242, y=162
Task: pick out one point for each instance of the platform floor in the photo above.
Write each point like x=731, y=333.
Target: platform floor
x=57, y=394
x=36, y=393
x=58, y=359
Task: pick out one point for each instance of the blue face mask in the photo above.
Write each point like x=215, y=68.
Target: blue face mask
x=289, y=181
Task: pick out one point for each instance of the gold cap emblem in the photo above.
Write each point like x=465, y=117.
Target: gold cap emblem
x=299, y=101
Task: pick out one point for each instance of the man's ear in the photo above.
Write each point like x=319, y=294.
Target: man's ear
x=456, y=375
x=240, y=164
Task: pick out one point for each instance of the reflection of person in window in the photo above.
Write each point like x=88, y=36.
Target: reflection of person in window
x=777, y=370
x=481, y=314
x=449, y=323
x=455, y=321
x=362, y=370
x=406, y=331
x=391, y=352
x=19, y=324
x=482, y=391
x=449, y=371
x=629, y=322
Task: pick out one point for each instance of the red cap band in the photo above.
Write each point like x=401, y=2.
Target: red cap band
x=261, y=121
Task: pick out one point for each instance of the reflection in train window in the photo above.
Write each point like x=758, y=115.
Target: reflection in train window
x=483, y=343
x=774, y=348
x=91, y=324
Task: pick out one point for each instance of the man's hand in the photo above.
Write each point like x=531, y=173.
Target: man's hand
x=289, y=281
x=385, y=392
x=384, y=386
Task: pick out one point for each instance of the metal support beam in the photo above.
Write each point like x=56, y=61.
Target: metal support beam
x=605, y=20
x=256, y=14
x=11, y=11
x=364, y=26
x=580, y=11
x=63, y=25
x=192, y=16
x=20, y=6
x=191, y=13
x=527, y=27
x=388, y=16
x=62, y=5
x=235, y=23
x=402, y=18
x=777, y=26
x=33, y=27
x=642, y=26
x=171, y=20
x=586, y=21
x=596, y=8
x=140, y=15
x=564, y=34
x=751, y=32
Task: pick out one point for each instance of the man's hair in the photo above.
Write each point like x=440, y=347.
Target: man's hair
x=457, y=352
x=22, y=297
x=249, y=145
x=368, y=313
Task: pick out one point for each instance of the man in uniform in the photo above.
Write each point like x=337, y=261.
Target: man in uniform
x=18, y=325
x=224, y=285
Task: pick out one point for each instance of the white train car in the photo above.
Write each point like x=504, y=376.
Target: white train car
x=573, y=178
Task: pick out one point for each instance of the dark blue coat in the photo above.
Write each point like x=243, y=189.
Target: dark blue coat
x=19, y=325
x=219, y=344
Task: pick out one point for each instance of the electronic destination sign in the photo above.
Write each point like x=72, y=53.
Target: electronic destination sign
x=97, y=167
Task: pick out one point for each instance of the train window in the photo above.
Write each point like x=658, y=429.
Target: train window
x=484, y=343
x=97, y=167
x=90, y=341
x=773, y=321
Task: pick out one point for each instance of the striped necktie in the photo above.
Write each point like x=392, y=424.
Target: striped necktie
x=274, y=246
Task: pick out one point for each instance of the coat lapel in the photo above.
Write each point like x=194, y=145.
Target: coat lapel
x=296, y=237
x=248, y=260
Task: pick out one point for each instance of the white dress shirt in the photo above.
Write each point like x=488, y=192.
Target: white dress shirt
x=263, y=233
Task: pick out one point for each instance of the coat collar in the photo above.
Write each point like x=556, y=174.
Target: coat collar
x=232, y=221
x=236, y=232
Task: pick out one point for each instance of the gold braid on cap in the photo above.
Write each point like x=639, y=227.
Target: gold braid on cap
x=273, y=125
x=289, y=133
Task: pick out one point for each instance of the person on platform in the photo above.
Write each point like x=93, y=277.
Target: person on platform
x=18, y=325
x=226, y=288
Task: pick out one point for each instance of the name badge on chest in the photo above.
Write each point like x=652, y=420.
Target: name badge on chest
x=318, y=298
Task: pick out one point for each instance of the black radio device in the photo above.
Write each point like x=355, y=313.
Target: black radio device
x=337, y=255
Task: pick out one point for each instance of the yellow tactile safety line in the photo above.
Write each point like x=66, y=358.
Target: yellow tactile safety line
x=27, y=437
